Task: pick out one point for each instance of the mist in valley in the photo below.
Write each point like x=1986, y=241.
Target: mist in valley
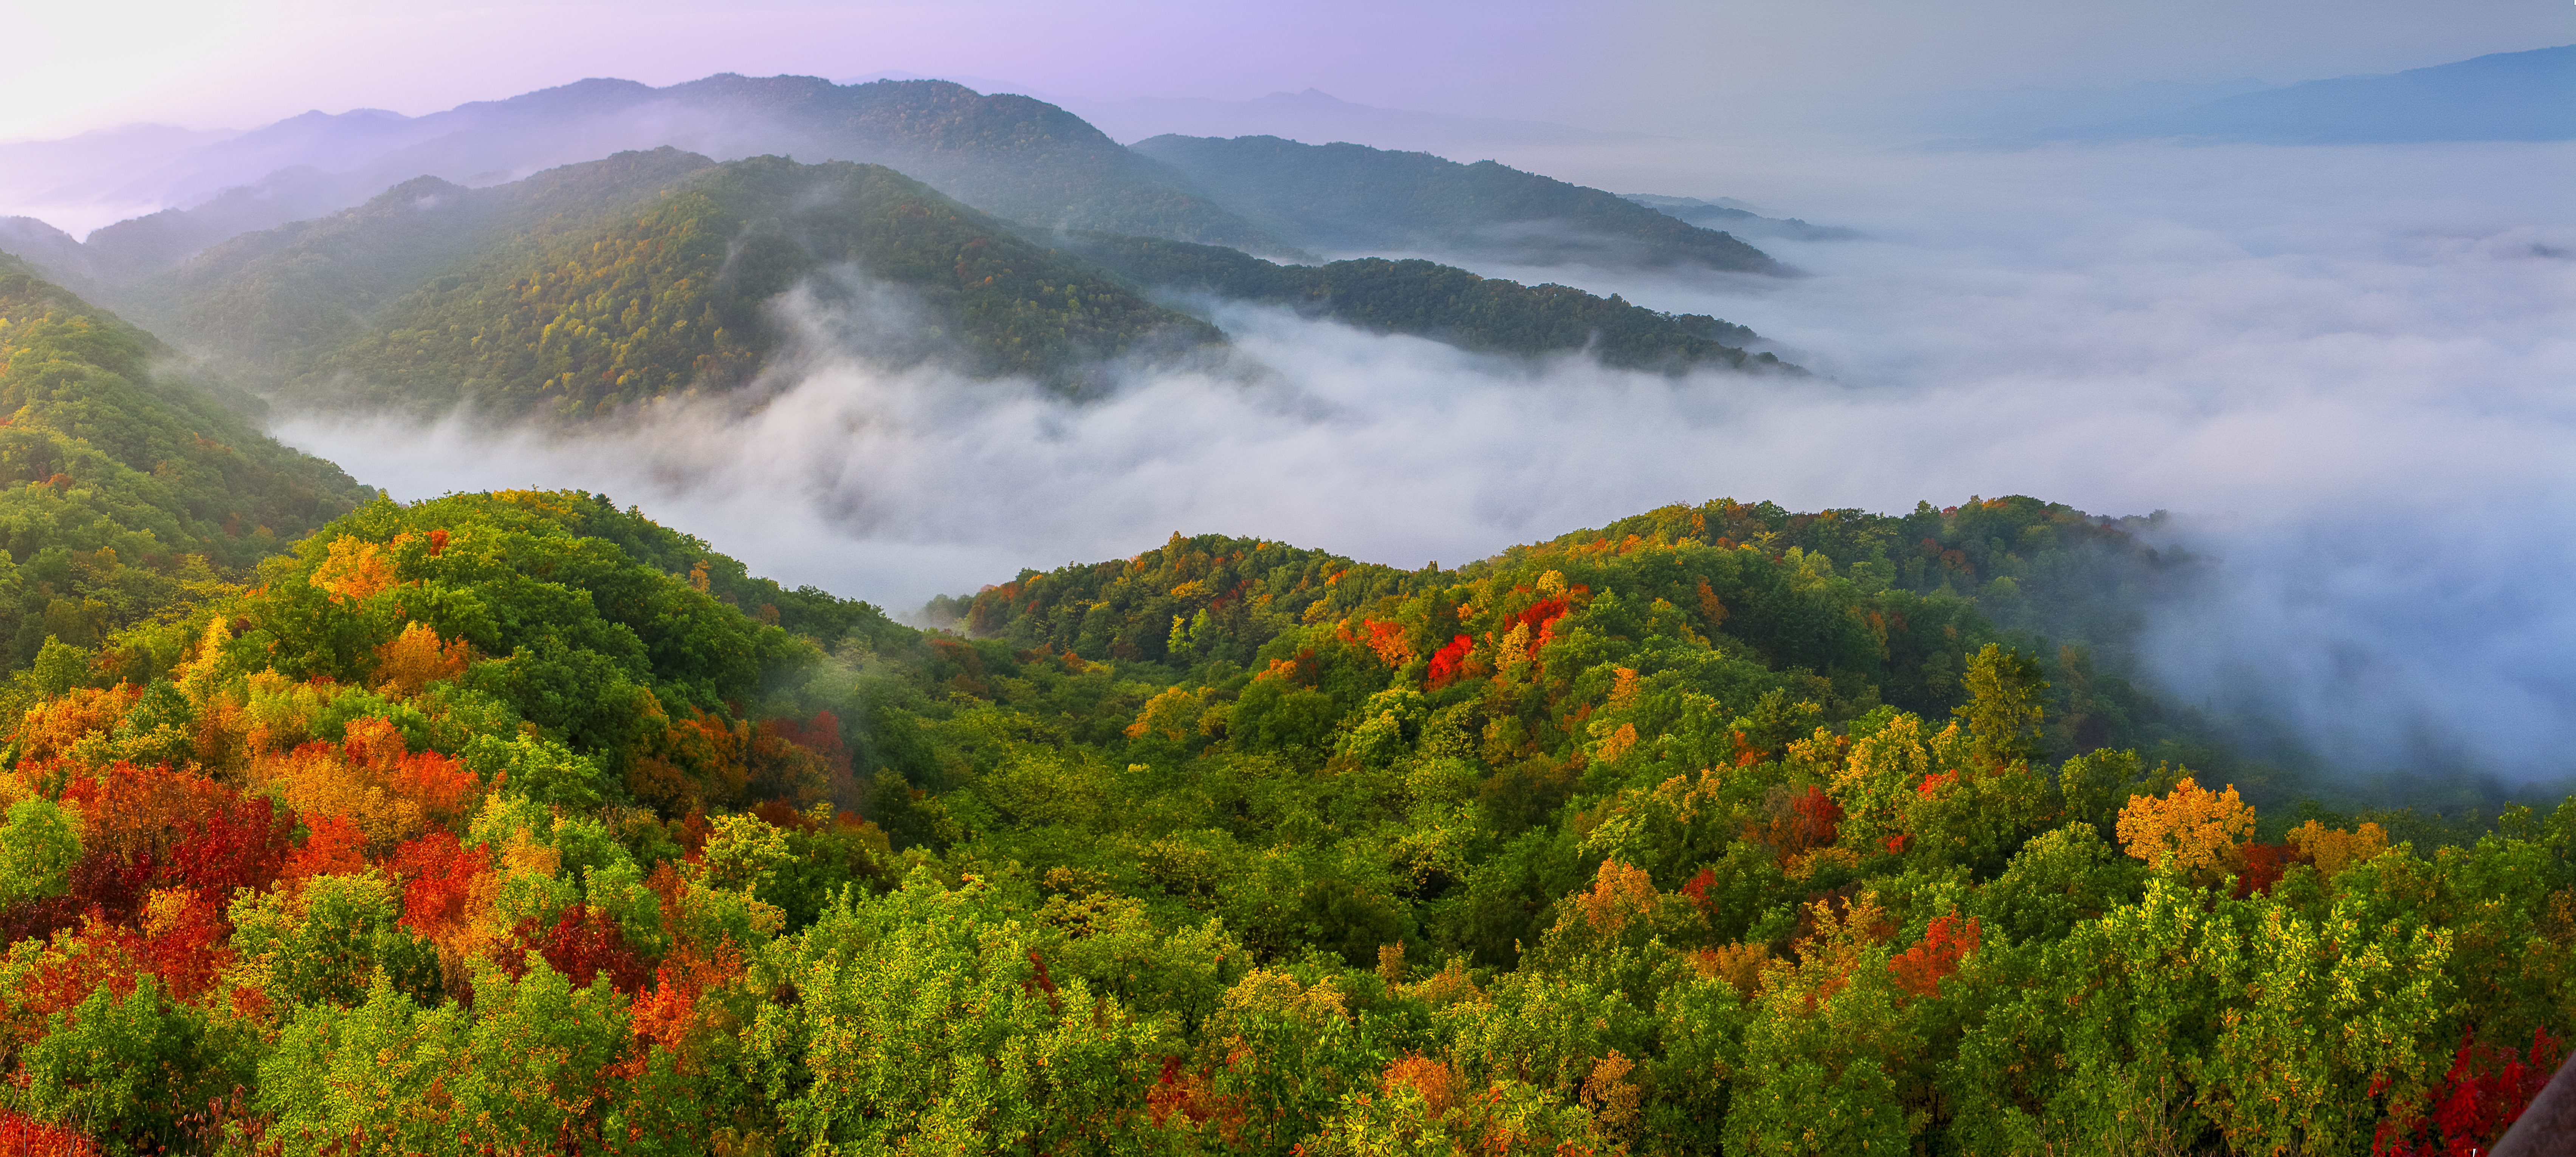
x=2338, y=368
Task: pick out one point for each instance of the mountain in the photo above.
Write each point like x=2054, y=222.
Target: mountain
x=1735, y=218
x=480, y=825
x=1441, y=302
x=1019, y=158
x=128, y=484
x=42, y=247
x=2021, y=109
x=614, y=282
x=75, y=172
x=1316, y=116
x=1352, y=198
x=2506, y=96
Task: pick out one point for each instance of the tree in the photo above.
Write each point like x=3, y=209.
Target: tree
x=127, y=1067
x=2188, y=830
x=38, y=846
x=2006, y=700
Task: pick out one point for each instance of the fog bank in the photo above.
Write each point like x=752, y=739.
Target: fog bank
x=2343, y=368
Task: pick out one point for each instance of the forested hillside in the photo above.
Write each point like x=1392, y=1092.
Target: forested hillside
x=513, y=823
x=127, y=490
x=591, y=287
x=629, y=279
x=1354, y=198
x=1437, y=301
x=1012, y=156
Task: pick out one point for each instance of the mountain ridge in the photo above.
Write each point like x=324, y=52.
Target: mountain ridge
x=1354, y=198
x=2502, y=96
x=595, y=286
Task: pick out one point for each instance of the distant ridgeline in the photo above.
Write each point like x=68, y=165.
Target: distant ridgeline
x=1352, y=197
x=126, y=491
x=515, y=823
x=629, y=279
x=593, y=286
x=605, y=283
x=1438, y=301
x=1019, y=158
x=1716, y=216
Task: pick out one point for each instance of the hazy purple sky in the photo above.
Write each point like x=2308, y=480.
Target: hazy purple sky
x=1667, y=67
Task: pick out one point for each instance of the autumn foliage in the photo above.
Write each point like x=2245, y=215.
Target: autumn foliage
x=2485, y=1091
x=516, y=824
x=1918, y=970
x=2188, y=829
x=25, y=1136
x=1450, y=660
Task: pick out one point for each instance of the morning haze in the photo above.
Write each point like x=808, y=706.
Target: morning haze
x=861, y=578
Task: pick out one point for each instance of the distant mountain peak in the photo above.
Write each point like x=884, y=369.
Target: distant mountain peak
x=2502, y=96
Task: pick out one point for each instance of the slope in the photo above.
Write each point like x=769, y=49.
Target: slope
x=127, y=486
x=1354, y=198
x=1712, y=215
x=1016, y=157
x=472, y=830
x=598, y=285
x=1441, y=302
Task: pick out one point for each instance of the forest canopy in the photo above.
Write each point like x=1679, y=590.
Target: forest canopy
x=127, y=486
x=515, y=822
x=641, y=276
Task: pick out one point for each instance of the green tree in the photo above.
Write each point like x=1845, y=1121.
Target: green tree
x=127, y=1067
x=2006, y=698
x=928, y=1018
x=38, y=846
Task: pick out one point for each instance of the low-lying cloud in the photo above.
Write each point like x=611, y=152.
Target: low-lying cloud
x=2343, y=369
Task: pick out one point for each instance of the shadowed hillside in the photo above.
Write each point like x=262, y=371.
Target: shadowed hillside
x=1354, y=198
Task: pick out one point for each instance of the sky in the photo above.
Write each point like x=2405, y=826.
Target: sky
x=1675, y=68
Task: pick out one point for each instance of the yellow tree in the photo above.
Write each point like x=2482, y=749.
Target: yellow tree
x=2187, y=829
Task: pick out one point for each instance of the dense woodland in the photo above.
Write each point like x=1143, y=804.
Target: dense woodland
x=480, y=824
x=516, y=823
x=1442, y=302
x=1012, y=156
x=130, y=490
x=591, y=288
x=645, y=275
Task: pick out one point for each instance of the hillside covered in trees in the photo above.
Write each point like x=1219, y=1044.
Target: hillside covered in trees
x=1008, y=155
x=1350, y=197
x=1442, y=302
x=597, y=286
x=127, y=488
x=632, y=278
x=515, y=823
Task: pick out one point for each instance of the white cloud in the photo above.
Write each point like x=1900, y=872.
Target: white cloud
x=2345, y=369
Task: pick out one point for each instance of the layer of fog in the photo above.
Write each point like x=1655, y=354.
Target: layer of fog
x=2344, y=369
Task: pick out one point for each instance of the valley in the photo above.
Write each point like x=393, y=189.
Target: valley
x=375, y=780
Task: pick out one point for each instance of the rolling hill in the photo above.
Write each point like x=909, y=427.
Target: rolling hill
x=2504, y=96
x=1352, y=198
x=1012, y=156
x=618, y=281
x=1441, y=302
x=477, y=826
x=1713, y=215
x=125, y=486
